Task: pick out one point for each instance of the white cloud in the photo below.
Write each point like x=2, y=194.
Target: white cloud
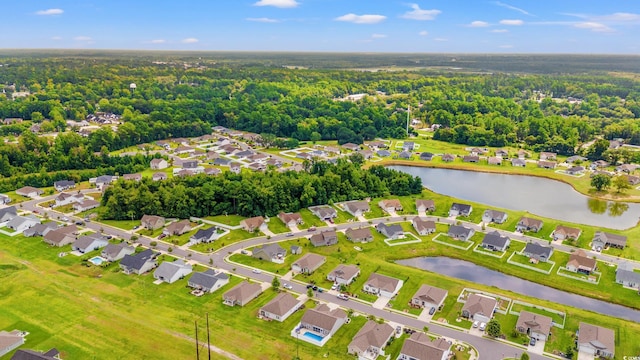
x=511, y=22
x=263, y=20
x=56, y=38
x=620, y=17
x=82, y=38
x=420, y=14
x=511, y=7
x=593, y=26
x=423, y=33
x=499, y=31
x=190, y=41
x=361, y=19
x=378, y=36
x=158, y=41
x=478, y=23
x=278, y=3
x=50, y=12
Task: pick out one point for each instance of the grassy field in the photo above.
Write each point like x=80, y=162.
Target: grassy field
x=309, y=219
x=231, y=220
x=232, y=237
x=122, y=224
x=277, y=226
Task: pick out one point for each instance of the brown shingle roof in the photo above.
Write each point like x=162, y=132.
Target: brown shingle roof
x=598, y=337
x=372, y=334
x=536, y=322
x=419, y=346
x=580, y=260
x=382, y=282
x=430, y=294
x=281, y=304
x=478, y=304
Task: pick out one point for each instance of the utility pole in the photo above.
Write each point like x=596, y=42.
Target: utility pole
x=197, y=346
x=208, y=342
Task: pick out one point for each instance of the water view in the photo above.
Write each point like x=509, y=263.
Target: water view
x=540, y=196
x=465, y=270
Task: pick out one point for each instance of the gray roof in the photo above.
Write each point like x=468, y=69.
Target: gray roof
x=383, y=153
x=64, y=183
x=625, y=273
x=272, y=250
x=112, y=250
x=167, y=269
x=40, y=229
x=221, y=161
x=323, y=211
x=389, y=230
x=26, y=354
x=136, y=261
x=207, y=279
x=462, y=208
x=281, y=304
x=104, y=179
x=8, y=213
x=537, y=249
x=19, y=220
x=84, y=242
x=204, y=233
x=405, y=155
x=459, y=230
x=608, y=238
x=372, y=334
x=495, y=239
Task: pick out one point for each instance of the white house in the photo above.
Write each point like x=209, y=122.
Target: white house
x=381, y=285
x=280, y=308
x=171, y=272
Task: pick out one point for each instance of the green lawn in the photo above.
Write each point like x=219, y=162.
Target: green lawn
x=232, y=237
x=309, y=219
x=277, y=226
x=343, y=216
x=150, y=233
x=231, y=220
x=122, y=224
x=557, y=318
x=524, y=260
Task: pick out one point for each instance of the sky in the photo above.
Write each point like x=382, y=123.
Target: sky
x=435, y=26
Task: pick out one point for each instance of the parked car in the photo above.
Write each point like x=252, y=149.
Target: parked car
x=320, y=290
x=313, y=228
x=64, y=218
x=136, y=227
x=289, y=234
x=532, y=342
x=244, y=252
x=432, y=310
x=343, y=297
x=475, y=324
x=79, y=222
x=334, y=287
x=287, y=286
x=256, y=271
x=315, y=287
x=162, y=236
x=309, y=286
x=483, y=326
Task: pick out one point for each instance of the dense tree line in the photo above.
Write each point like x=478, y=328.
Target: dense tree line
x=251, y=194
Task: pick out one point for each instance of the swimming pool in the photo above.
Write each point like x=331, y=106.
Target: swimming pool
x=313, y=336
x=97, y=260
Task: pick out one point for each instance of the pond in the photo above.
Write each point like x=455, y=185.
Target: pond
x=465, y=270
x=537, y=195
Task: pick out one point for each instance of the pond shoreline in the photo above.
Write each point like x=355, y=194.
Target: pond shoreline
x=498, y=170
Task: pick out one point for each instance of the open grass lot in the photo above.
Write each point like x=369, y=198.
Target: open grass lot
x=309, y=219
x=232, y=237
x=122, y=224
x=343, y=216
x=231, y=220
x=277, y=226
x=150, y=233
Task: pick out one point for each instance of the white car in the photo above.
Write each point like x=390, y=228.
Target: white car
x=483, y=326
x=256, y=271
x=287, y=286
x=475, y=324
x=334, y=287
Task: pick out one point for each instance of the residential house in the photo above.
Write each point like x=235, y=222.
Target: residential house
x=212, y=171
x=523, y=154
x=159, y=164
x=332, y=150
x=579, y=262
x=271, y=252
x=628, y=168
x=358, y=235
x=494, y=160
x=615, y=144
x=448, y=157
x=518, y=162
x=423, y=227
x=603, y=239
x=404, y=155
x=596, y=341
x=324, y=212
x=86, y=204
x=460, y=232
x=460, y=209
x=471, y=158
x=295, y=250
x=132, y=177
x=61, y=236
x=547, y=164
x=351, y=146
x=22, y=223
x=390, y=205
x=427, y=156
x=627, y=276
x=377, y=145
x=494, y=216
x=208, y=280
x=183, y=149
x=177, y=228
x=40, y=229
x=575, y=158
x=479, y=307
x=29, y=192
x=503, y=153
x=4, y=199
x=366, y=154
x=598, y=164
x=419, y=346
x=221, y=162
x=189, y=164
x=139, y=263
x=322, y=322
x=548, y=155
x=477, y=151
x=529, y=224
x=205, y=235
x=534, y=325
x=256, y=166
x=383, y=153
x=27, y=354
x=566, y=233
x=394, y=231
x=324, y=238
x=429, y=296
x=241, y=294
x=88, y=243
x=152, y=222
x=10, y=341
x=631, y=179
x=408, y=146
x=495, y=242
x=115, y=252
x=103, y=180
x=538, y=252
x=382, y=285
x=290, y=219
x=280, y=308
x=159, y=176
x=425, y=205
x=171, y=272
x=8, y=213
x=575, y=170
x=65, y=199
x=370, y=341
x=344, y=274
x=256, y=223
x=64, y=185
x=235, y=167
x=308, y=263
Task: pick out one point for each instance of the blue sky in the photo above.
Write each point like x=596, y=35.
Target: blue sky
x=459, y=26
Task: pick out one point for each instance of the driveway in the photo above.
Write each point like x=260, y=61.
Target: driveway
x=584, y=356
x=538, y=348
x=381, y=303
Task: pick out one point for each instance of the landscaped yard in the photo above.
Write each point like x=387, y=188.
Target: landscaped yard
x=525, y=260
x=444, y=239
x=231, y=220
x=232, y=237
x=557, y=318
x=122, y=224
x=277, y=226
x=309, y=220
